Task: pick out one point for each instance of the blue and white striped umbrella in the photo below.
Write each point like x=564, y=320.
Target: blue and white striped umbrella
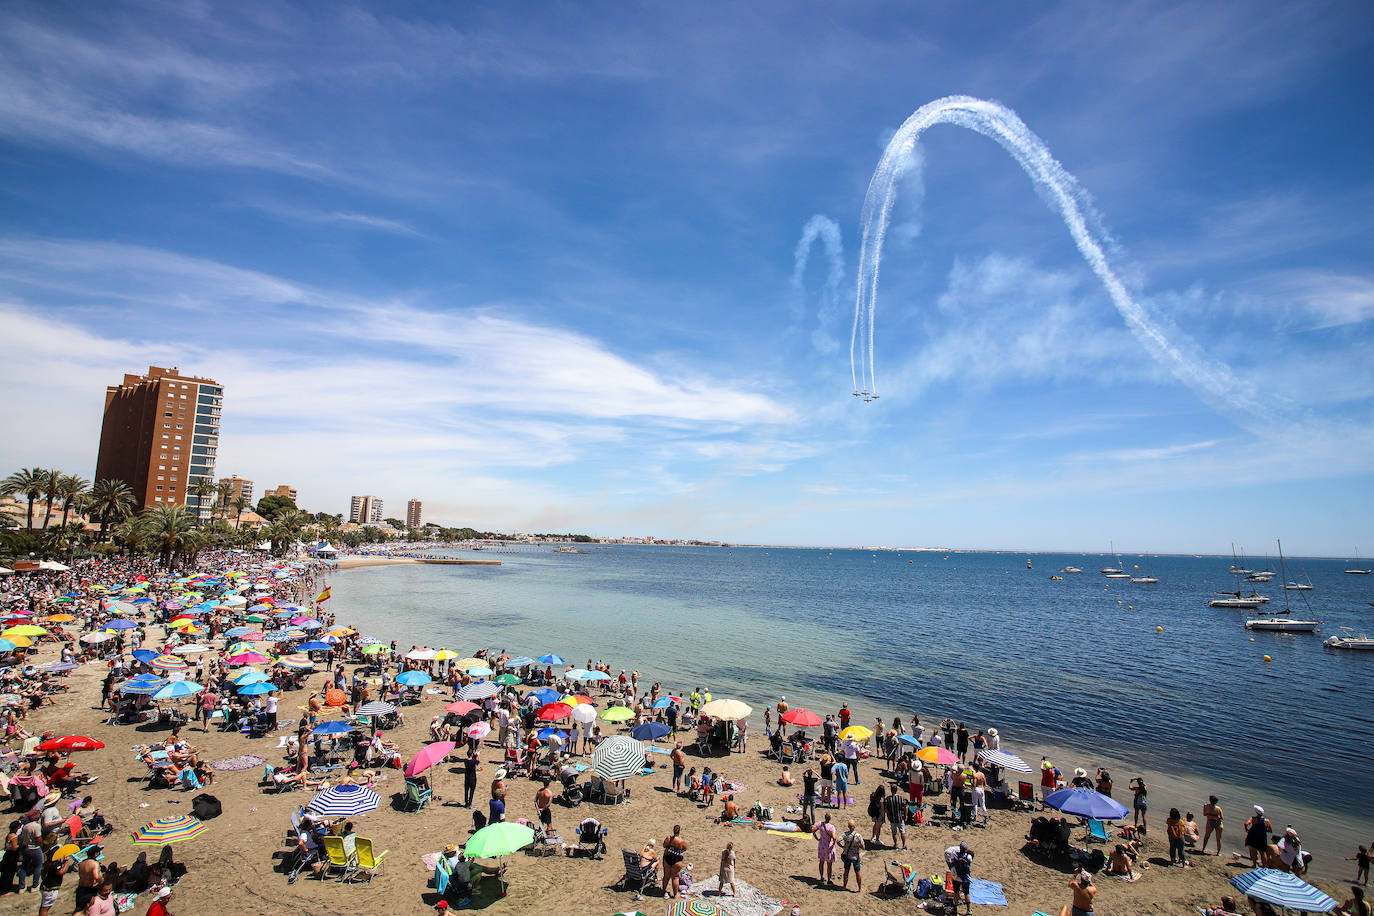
x=479, y=690
x=283, y=636
x=1282, y=889
x=345, y=801
x=376, y=708
x=147, y=687
x=521, y=662
x=1004, y=760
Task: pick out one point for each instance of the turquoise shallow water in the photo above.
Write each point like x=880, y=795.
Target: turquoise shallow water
x=1076, y=663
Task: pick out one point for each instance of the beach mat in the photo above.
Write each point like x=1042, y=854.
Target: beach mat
x=988, y=893
x=242, y=762
x=793, y=836
x=750, y=902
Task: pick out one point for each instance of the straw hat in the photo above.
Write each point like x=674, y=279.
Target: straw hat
x=450, y=850
x=500, y=772
x=52, y=797
x=992, y=732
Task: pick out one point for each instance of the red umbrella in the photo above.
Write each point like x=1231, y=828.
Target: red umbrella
x=461, y=707
x=69, y=743
x=552, y=712
x=803, y=718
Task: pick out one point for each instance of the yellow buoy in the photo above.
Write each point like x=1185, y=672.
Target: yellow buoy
x=1159, y=629
x=1121, y=602
x=1252, y=639
x=1130, y=607
x=1268, y=659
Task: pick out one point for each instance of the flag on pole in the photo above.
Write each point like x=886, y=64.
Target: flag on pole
x=324, y=596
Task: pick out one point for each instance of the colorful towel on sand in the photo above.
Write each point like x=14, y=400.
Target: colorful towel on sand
x=242, y=762
x=431, y=860
x=988, y=893
x=124, y=902
x=750, y=901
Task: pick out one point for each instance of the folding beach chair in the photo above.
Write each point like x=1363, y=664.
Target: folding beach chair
x=339, y=859
x=366, y=860
x=417, y=796
x=637, y=875
x=1097, y=830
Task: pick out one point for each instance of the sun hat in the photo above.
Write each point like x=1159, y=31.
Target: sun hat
x=52, y=797
x=993, y=732
x=163, y=894
x=1259, y=810
x=450, y=849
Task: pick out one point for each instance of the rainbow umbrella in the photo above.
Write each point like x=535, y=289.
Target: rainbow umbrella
x=167, y=663
x=937, y=755
x=692, y=908
x=172, y=829
x=296, y=661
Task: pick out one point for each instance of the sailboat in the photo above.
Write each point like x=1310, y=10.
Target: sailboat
x=1283, y=621
x=1237, y=568
x=1114, y=572
x=1147, y=578
x=1357, y=571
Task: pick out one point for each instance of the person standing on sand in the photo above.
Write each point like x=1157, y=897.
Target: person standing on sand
x=543, y=803
x=1178, y=854
x=1257, y=831
x=839, y=774
x=961, y=741
x=877, y=812
x=679, y=765
x=1212, y=813
x=828, y=733
x=1140, y=802
x=825, y=835
x=844, y=716
x=727, y=870
x=1360, y=858
x=851, y=854
x=674, y=851
x=1083, y=893
x=947, y=726
x=470, y=771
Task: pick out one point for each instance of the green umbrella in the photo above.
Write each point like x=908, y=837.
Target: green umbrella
x=617, y=714
x=509, y=680
x=375, y=648
x=498, y=840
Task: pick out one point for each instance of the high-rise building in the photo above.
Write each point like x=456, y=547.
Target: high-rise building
x=414, y=513
x=284, y=490
x=365, y=510
x=238, y=486
x=159, y=435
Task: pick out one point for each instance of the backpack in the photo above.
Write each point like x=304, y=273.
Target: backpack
x=924, y=888
x=206, y=806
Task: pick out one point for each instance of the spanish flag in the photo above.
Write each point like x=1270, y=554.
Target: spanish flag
x=324, y=596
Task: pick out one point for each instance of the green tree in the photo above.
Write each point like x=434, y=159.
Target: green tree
x=270, y=506
x=240, y=503
x=286, y=529
x=168, y=529
x=111, y=501
x=52, y=484
x=395, y=523
x=203, y=489
x=28, y=483
x=72, y=490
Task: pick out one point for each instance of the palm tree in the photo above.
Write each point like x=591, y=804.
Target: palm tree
x=240, y=503
x=52, y=482
x=286, y=529
x=28, y=483
x=224, y=493
x=111, y=501
x=72, y=490
x=130, y=534
x=202, y=489
x=168, y=528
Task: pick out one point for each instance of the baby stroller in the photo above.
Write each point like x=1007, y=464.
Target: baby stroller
x=572, y=791
x=590, y=834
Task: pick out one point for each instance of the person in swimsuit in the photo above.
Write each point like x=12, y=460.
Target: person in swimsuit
x=1212, y=813
x=1083, y=893
x=1356, y=905
x=1140, y=802
x=1361, y=860
x=1257, y=830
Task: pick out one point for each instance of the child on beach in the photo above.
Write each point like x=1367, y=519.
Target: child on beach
x=1361, y=860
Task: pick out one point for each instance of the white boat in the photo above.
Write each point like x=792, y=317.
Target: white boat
x=1282, y=624
x=1245, y=604
x=1113, y=572
x=1117, y=575
x=1072, y=569
x=1356, y=571
x=1259, y=577
x=1145, y=580
x=1349, y=639
x=1298, y=587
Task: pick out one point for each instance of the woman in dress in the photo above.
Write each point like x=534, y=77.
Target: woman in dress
x=727, y=870
x=825, y=835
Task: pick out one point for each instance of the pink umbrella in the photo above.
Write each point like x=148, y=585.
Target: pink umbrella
x=479, y=730
x=429, y=755
x=461, y=707
x=249, y=658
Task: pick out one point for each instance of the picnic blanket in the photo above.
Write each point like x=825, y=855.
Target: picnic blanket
x=986, y=892
x=750, y=902
x=241, y=762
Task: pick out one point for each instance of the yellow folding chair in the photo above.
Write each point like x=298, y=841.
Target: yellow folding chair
x=339, y=860
x=368, y=862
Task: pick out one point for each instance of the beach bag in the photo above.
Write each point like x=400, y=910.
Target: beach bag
x=206, y=806
x=924, y=888
x=479, y=820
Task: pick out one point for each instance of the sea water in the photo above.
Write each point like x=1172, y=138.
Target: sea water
x=1075, y=668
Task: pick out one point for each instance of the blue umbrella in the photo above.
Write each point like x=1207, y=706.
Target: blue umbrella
x=313, y=645
x=256, y=688
x=282, y=636
x=1005, y=761
x=177, y=689
x=546, y=733
x=908, y=740
x=649, y=731
x=551, y=659
x=520, y=662
x=131, y=687
x=259, y=607
x=1085, y=803
x=345, y=801
x=1282, y=889
x=7, y=646
x=148, y=679
x=144, y=655
x=413, y=678
x=312, y=625
x=120, y=625
x=333, y=728
x=664, y=702
x=236, y=631
x=250, y=677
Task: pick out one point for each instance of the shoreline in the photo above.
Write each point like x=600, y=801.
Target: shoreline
x=363, y=561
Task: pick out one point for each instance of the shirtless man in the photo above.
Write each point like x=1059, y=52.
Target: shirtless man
x=1083, y=893
x=88, y=878
x=1212, y=812
x=543, y=803
x=731, y=810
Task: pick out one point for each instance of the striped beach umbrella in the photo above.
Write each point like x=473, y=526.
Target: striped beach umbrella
x=171, y=829
x=478, y=690
x=618, y=757
x=295, y=661
x=167, y=663
x=345, y=801
x=1282, y=889
x=177, y=689
x=1005, y=761
x=693, y=908
x=376, y=708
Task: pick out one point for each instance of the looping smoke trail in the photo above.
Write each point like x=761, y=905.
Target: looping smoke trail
x=1211, y=380
x=823, y=228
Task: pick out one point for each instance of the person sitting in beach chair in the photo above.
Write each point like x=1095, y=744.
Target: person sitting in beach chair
x=590, y=834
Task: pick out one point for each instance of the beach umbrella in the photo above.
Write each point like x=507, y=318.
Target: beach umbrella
x=1282, y=889
x=413, y=678
x=62, y=852
x=498, y=840
x=937, y=755
x=122, y=607
x=59, y=618
x=478, y=730
x=345, y=801
x=802, y=718
x=692, y=908
x=1085, y=803
x=256, y=618
x=1005, y=761
x=579, y=674
x=546, y=695
x=329, y=639
x=374, y=648
x=909, y=740
x=191, y=649
x=69, y=743
x=9, y=645
x=301, y=620
x=574, y=699
x=553, y=712
x=184, y=623
x=376, y=708
x=551, y=659
x=523, y=661
x=295, y=661
x=332, y=728
x=649, y=731
x=665, y=702
x=600, y=676
x=479, y=690
x=168, y=663
x=141, y=689
x=461, y=707
x=507, y=680
x=469, y=662
x=584, y=713
x=177, y=689
x=617, y=714
x=235, y=632
x=618, y=757
x=120, y=625
x=249, y=677
x=478, y=671
x=164, y=830
x=727, y=709
x=92, y=639
x=420, y=655
x=313, y=645
x=235, y=600
x=256, y=688
x=855, y=732
x=544, y=734
x=24, y=629
x=248, y=658
x=144, y=655
x=429, y=755
x=445, y=655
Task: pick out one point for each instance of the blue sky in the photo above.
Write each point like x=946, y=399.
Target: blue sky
x=537, y=265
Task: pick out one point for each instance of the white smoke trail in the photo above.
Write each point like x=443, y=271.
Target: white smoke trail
x=1212, y=380
x=827, y=231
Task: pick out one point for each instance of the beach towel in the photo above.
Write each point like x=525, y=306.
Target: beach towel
x=988, y=893
x=790, y=836
x=241, y=762
x=750, y=902
x=431, y=860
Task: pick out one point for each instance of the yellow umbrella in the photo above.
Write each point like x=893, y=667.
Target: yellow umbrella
x=20, y=642
x=24, y=629
x=856, y=732
x=184, y=624
x=59, y=618
x=343, y=631
x=470, y=663
x=444, y=655
x=62, y=852
x=727, y=709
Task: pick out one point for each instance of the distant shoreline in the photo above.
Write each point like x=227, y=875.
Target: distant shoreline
x=358, y=562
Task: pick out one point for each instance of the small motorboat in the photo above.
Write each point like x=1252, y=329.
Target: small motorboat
x=1349, y=639
x=1282, y=623
x=1071, y=569
x=1145, y=580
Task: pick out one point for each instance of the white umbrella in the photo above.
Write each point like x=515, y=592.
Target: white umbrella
x=727, y=709
x=190, y=649
x=91, y=639
x=618, y=757
x=584, y=713
x=421, y=655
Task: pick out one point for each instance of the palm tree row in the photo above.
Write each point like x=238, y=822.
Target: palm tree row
x=49, y=485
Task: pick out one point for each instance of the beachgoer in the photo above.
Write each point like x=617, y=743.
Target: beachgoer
x=1178, y=854
x=851, y=854
x=1104, y=782
x=1257, y=830
x=727, y=870
x=1047, y=781
x=1140, y=803
x=543, y=803
x=1360, y=858
x=649, y=854
x=674, y=851
x=877, y=812
x=808, y=800
x=679, y=759
x=1083, y=892
x=839, y=774
x=895, y=811
x=1356, y=905
x=1212, y=813
x=159, y=905
x=826, y=837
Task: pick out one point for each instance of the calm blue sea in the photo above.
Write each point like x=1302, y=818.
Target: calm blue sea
x=1074, y=664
